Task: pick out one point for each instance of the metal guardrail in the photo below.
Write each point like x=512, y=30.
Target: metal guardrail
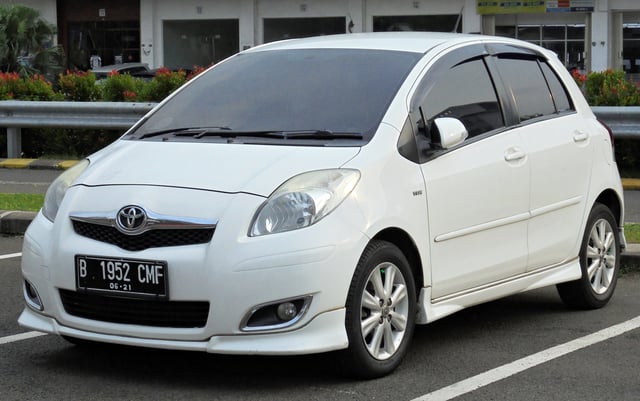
x=14, y=115
x=623, y=121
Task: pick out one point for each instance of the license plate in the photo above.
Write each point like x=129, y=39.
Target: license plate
x=126, y=277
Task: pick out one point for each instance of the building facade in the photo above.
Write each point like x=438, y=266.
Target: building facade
x=590, y=35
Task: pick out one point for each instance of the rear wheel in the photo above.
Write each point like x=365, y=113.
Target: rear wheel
x=599, y=261
x=381, y=309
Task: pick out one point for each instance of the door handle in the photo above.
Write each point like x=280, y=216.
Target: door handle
x=580, y=136
x=514, y=154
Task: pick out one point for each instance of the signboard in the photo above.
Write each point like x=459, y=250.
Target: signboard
x=533, y=6
x=570, y=5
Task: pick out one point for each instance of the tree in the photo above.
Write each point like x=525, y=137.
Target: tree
x=25, y=42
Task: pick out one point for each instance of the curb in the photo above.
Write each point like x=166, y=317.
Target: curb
x=37, y=164
x=16, y=223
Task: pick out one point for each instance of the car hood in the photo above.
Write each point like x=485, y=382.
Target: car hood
x=232, y=168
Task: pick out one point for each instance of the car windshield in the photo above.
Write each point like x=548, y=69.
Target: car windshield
x=316, y=91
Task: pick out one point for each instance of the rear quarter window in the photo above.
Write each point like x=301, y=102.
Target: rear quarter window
x=527, y=86
x=558, y=91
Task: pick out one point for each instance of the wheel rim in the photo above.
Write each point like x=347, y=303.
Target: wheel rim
x=384, y=311
x=601, y=256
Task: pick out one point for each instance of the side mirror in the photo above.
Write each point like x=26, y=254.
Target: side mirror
x=452, y=131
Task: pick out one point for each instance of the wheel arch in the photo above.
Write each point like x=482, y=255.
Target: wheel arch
x=407, y=246
x=610, y=199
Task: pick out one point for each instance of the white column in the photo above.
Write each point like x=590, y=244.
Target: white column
x=600, y=37
x=471, y=20
x=247, y=24
x=147, y=42
x=616, y=40
x=356, y=14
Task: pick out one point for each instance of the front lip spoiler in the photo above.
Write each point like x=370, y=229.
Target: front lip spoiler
x=325, y=332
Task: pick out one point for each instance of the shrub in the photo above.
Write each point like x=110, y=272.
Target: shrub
x=121, y=88
x=35, y=87
x=197, y=70
x=79, y=86
x=163, y=84
x=610, y=88
x=8, y=85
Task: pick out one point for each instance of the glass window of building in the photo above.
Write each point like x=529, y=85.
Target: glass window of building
x=291, y=28
x=189, y=43
x=433, y=23
x=631, y=47
x=567, y=41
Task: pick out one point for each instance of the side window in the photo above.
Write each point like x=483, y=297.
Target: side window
x=558, y=91
x=528, y=87
x=465, y=92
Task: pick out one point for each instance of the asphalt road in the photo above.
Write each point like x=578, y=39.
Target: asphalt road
x=444, y=353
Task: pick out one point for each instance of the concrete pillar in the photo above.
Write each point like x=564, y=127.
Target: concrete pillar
x=615, y=62
x=147, y=43
x=488, y=25
x=471, y=21
x=248, y=24
x=14, y=142
x=600, y=44
x=356, y=15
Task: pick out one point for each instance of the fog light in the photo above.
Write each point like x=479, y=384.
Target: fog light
x=31, y=296
x=276, y=315
x=287, y=311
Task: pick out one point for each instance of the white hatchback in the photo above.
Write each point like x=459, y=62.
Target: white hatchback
x=328, y=194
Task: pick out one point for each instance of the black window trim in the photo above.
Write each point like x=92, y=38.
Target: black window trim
x=444, y=64
x=488, y=52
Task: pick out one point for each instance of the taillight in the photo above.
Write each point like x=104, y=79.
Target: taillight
x=613, y=148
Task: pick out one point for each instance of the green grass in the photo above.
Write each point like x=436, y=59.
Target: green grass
x=33, y=202
x=22, y=202
x=632, y=233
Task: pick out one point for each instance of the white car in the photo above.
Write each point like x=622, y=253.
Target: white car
x=327, y=194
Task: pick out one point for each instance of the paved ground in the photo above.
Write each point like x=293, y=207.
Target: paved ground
x=524, y=347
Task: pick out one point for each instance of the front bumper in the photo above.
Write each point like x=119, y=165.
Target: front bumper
x=234, y=273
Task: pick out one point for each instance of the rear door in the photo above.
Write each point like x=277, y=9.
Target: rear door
x=559, y=148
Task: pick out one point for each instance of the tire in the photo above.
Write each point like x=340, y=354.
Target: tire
x=599, y=261
x=381, y=311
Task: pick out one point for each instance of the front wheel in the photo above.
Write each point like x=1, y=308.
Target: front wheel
x=381, y=310
x=599, y=261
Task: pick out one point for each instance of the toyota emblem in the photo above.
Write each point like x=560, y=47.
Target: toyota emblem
x=131, y=219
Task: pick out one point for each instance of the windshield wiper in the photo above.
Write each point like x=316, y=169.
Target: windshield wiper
x=298, y=134
x=191, y=131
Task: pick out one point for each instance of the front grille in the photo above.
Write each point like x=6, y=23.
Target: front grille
x=149, y=239
x=144, y=312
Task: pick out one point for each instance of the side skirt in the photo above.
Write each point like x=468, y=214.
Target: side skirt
x=434, y=309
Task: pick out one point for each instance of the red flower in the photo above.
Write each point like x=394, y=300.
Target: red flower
x=129, y=95
x=163, y=71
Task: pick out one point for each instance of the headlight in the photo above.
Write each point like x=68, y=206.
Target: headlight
x=303, y=200
x=58, y=188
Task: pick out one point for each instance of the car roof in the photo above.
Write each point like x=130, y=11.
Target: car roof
x=418, y=42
